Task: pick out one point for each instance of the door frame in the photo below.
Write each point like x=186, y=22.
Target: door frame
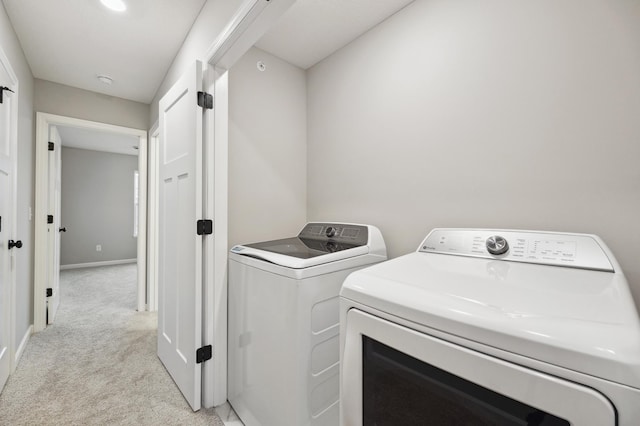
x=252, y=20
x=43, y=122
x=15, y=350
x=53, y=265
x=152, y=218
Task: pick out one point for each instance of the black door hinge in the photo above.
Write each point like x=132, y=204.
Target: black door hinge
x=49, y=218
x=2, y=89
x=204, y=227
x=205, y=100
x=51, y=146
x=204, y=354
x=49, y=292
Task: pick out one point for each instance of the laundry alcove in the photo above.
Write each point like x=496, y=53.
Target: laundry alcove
x=268, y=108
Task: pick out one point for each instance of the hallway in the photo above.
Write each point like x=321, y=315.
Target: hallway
x=97, y=364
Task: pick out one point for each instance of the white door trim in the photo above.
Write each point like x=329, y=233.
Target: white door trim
x=152, y=217
x=43, y=121
x=252, y=20
x=54, y=207
x=15, y=86
x=142, y=220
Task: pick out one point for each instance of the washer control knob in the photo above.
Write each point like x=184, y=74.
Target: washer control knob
x=331, y=231
x=497, y=245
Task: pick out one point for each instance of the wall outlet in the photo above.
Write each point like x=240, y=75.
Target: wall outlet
x=98, y=247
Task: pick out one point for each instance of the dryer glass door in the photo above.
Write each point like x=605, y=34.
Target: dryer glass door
x=394, y=375
x=403, y=390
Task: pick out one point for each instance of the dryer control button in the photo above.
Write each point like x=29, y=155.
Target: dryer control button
x=497, y=245
x=331, y=231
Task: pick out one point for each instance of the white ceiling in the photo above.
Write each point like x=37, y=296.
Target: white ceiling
x=96, y=140
x=73, y=41
x=311, y=30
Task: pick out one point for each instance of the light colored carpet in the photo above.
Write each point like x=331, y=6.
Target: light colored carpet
x=97, y=364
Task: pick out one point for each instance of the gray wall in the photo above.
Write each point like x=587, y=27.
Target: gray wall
x=97, y=206
x=69, y=101
x=26, y=160
x=213, y=18
x=484, y=114
x=267, y=149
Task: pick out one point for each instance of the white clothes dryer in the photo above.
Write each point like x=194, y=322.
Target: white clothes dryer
x=491, y=327
x=283, y=341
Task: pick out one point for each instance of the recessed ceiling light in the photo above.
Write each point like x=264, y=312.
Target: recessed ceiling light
x=105, y=79
x=117, y=5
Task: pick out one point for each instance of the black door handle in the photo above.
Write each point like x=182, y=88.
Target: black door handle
x=13, y=244
x=62, y=229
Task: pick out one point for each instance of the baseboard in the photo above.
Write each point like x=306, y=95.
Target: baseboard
x=23, y=344
x=94, y=264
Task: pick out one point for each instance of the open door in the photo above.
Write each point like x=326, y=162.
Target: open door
x=180, y=247
x=7, y=209
x=53, y=225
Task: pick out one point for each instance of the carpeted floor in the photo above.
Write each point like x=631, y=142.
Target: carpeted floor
x=97, y=364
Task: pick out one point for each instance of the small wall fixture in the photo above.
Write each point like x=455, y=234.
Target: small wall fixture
x=117, y=5
x=105, y=79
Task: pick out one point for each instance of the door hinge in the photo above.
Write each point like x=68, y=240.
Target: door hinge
x=49, y=292
x=51, y=146
x=2, y=89
x=203, y=354
x=205, y=100
x=49, y=218
x=204, y=227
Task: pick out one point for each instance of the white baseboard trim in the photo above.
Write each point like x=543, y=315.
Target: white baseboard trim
x=94, y=264
x=23, y=344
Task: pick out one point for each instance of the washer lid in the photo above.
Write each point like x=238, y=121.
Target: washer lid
x=579, y=319
x=318, y=243
x=300, y=253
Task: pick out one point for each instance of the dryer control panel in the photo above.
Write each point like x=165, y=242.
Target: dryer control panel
x=548, y=248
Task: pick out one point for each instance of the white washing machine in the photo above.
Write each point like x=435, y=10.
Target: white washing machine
x=283, y=367
x=491, y=327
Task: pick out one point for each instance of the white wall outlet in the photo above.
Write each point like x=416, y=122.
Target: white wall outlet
x=98, y=247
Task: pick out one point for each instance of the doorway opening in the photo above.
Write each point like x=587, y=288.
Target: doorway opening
x=56, y=129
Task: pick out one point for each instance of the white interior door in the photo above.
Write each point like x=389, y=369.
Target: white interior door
x=7, y=200
x=53, y=234
x=180, y=248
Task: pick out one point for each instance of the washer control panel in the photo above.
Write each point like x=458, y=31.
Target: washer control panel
x=547, y=248
x=339, y=232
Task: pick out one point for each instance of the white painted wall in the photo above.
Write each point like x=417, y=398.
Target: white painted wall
x=267, y=149
x=26, y=149
x=212, y=19
x=484, y=114
x=70, y=101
